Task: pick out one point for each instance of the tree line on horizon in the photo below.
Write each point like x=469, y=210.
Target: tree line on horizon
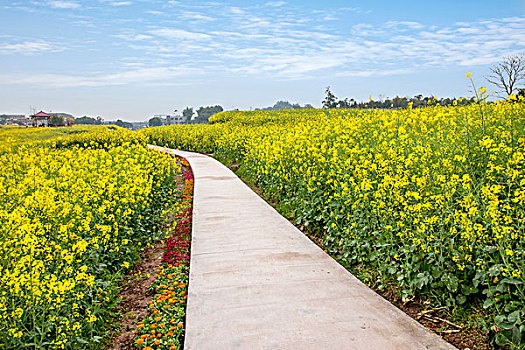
x=331, y=101
x=507, y=76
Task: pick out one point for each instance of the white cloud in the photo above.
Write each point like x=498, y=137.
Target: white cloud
x=140, y=75
x=120, y=3
x=375, y=72
x=276, y=3
x=133, y=37
x=195, y=16
x=27, y=48
x=116, y=3
x=403, y=25
x=237, y=11
x=174, y=33
x=63, y=4
x=286, y=45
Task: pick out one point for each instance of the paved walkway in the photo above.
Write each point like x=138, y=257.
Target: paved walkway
x=257, y=282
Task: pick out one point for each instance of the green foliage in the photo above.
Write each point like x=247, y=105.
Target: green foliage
x=88, y=120
x=187, y=113
x=204, y=113
x=56, y=121
x=155, y=121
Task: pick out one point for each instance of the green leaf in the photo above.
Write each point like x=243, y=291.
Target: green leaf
x=488, y=303
x=516, y=335
x=82, y=341
x=501, y=322
x=501, y=339
x=451, y=282
x=461, y=299
x=514, y=316
x=511, y=281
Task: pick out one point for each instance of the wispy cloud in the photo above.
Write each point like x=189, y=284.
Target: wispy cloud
x=276, y=3
x=116, y=3
x=133, y=37
x=175, y=33
x=286, y=46
x=280, y=39
x=63, y=4
x=28, y=48
x=196, y=16
x=120, y=3
x=127, y=77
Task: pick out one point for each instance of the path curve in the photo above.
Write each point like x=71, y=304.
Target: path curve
x=257, y=282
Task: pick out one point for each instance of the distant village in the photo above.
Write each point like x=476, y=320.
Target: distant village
x=43, y=119
x=40, y=119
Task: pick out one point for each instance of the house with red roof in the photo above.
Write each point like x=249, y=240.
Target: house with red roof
x=41, y=119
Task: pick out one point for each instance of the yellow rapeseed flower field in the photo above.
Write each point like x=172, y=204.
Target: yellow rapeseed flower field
x=432, y=198
x=72, y=220
x=12, y=136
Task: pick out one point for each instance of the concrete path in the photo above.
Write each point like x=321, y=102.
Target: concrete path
x=257, y=282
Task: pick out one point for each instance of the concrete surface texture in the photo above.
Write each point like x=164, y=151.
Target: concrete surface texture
x=257, y=282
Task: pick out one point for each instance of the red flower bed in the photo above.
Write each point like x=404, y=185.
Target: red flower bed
x=163, y=325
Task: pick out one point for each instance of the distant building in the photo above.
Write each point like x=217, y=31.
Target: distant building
x=44, y=119
x=168, y=119
x=15, y=119
x=41, y=119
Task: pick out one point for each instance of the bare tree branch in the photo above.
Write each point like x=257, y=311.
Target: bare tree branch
x=508, y=75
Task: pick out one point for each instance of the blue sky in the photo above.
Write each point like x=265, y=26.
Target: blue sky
x=130, y=59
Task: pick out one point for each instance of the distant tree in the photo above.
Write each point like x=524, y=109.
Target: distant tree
x=187, y=113
x=56, y=120
x=85, y=120
x=399, y=102
x=280, y=105
x=204, y=113
x=508, y=74
x=346, y=103
x=330, y=101
x=124, y=124
x=99, y=121
x=155, y=121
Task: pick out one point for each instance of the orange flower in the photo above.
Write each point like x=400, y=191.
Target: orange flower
x=158, y=318
x=157, y=342
x=140, y=341
x=180, y=325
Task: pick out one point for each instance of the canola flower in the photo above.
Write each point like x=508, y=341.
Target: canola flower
x=432, y=198
x=73, y=216
x=12, y=137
